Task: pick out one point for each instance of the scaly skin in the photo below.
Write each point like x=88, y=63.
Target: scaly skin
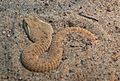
x=40, y=33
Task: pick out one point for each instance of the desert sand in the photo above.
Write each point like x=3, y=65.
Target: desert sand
x=81, y=60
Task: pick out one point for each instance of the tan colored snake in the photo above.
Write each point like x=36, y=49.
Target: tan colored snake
x=40, y=33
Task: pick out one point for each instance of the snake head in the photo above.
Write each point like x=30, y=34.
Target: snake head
x=36, y=29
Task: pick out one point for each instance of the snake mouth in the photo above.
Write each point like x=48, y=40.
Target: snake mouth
x=27, y=30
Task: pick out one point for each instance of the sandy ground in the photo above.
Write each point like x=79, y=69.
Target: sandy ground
x=81, y=60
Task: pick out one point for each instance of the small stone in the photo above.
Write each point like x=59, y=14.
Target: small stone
x=8, y=35
x=20, y=78
x=3, y=32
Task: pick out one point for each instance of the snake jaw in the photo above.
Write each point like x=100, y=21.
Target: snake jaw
x=27, y=31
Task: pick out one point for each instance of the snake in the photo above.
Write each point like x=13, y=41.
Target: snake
x=40, y=33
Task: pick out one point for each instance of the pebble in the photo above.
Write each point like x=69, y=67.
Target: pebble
x=3, y=32
x=8, y=35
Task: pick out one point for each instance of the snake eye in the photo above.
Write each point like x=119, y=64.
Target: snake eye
x=27, y=30
x=25, y=27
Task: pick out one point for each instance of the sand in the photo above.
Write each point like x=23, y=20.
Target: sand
x=82, y=61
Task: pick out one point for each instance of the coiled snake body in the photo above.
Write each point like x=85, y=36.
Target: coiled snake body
x=40, y=33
